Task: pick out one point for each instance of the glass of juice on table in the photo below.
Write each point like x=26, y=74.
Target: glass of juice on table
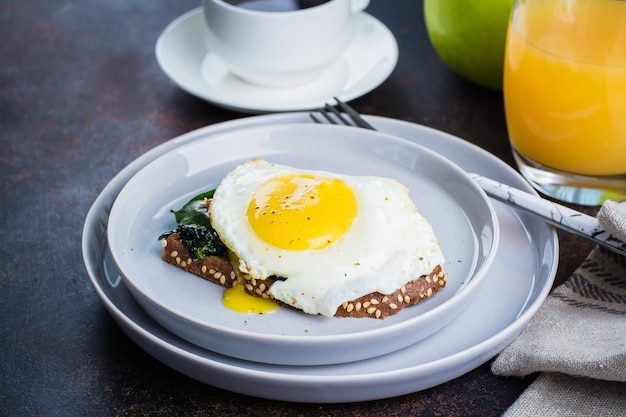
x=565, y=97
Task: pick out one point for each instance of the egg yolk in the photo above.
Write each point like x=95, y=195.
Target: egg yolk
x=237, y=299
x=300, y=212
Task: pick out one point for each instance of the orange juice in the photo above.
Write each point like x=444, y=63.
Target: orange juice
x=565, y=85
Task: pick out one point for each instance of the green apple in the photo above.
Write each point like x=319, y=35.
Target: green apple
x=469, y=36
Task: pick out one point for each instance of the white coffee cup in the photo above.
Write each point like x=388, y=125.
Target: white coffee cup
x=279, y=49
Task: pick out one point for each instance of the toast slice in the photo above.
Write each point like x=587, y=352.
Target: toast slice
x=220, y=271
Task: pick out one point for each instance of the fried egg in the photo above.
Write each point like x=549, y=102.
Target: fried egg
x=333, y=237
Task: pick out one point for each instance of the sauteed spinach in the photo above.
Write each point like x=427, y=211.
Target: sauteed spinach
x=195, y=230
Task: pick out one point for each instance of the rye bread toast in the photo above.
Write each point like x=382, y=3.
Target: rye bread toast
x=375, y=305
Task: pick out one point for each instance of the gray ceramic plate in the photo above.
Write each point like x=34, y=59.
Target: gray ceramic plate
x=461, y=214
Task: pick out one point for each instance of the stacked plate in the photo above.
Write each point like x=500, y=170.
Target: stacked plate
x=500, y=265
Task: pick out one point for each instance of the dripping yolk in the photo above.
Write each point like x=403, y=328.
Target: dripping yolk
x=300, y=212
x=237, y=299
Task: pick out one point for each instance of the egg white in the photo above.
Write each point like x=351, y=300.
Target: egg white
x=389, y=243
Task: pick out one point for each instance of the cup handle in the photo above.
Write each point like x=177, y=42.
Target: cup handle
x=359, y=5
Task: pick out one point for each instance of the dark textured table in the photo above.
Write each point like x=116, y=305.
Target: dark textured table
x=81, y=96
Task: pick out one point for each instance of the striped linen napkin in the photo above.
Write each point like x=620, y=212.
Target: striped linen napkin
x=576, y=343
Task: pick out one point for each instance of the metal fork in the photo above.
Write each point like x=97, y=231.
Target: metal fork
x=558, y=215
x=357, y=120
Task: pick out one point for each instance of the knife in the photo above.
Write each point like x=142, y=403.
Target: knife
x=558, y=215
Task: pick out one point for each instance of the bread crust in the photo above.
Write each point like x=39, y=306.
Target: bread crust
x=212, y=268
x=375, y=305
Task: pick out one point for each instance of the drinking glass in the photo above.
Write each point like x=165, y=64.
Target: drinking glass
x=565, y=97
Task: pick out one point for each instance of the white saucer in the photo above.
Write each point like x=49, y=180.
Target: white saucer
x=514, y=289
x=365, y=64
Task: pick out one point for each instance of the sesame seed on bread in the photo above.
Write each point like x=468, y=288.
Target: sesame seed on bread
x=212, y=268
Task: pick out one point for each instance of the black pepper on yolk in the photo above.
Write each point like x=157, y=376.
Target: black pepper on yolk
x=302, y=212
